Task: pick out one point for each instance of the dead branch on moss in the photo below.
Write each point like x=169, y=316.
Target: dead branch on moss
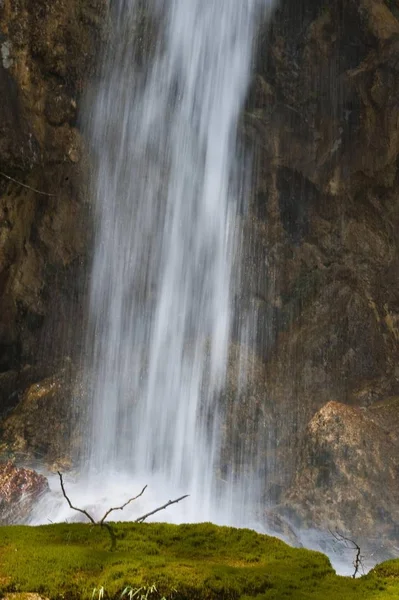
x=141, y=519
x=352, y=545
x=84, y=512
x=108, y=526
x=101, y=523
x=28, y=187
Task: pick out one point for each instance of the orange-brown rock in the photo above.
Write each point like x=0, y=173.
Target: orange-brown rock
x=20, y=489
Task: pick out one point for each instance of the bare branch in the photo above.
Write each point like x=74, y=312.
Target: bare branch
x=70, y=503
x=357, y=563
x=108, y=526
x=28, y=187
x=123, y=505
x=141, y=519
x=358, y=560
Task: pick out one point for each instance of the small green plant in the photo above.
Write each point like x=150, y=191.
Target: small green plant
x=98, y=593
x=142, y=593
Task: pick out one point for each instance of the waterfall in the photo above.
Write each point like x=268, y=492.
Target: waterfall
x=163, y=131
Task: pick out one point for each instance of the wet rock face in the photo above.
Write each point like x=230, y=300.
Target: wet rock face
x=45, y=427
x=20, y=489
x=322, y=259
x=348, y=469
x=46, y=57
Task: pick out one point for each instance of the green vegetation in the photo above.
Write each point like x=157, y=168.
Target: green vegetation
x=158, y=561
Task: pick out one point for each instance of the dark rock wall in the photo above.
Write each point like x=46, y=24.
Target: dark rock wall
x=322, y=261
x=46, y=55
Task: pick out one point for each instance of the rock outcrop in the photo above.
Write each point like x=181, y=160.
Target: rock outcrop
x=45, y=427
x=348, y=470
x=20, y=489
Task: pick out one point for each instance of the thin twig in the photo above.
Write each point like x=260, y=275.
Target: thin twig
x=123, y=505
x=108, y=526
x=28, y=187
x=141, y=519
x=357, y=562
x=70, y=503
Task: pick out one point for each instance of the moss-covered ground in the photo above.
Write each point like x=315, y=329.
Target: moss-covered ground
x=202, y=561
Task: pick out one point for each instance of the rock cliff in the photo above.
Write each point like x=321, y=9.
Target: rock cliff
x=321, y=251
x=322, y=259
x=46, y=53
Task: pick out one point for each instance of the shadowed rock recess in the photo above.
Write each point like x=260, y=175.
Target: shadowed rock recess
x=321, y=250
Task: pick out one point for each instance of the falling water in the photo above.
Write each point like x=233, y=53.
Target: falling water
x=163, y=129
x=167, y=199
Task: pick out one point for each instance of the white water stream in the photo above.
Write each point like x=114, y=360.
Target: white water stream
x=167, y=196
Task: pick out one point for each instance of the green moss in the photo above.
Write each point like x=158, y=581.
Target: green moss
x=202, y=561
